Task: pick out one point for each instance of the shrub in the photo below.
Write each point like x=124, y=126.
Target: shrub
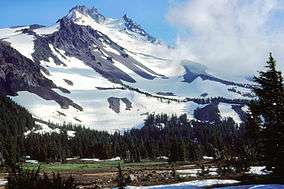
x=24, y=179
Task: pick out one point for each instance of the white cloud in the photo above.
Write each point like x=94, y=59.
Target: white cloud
x=229, y=36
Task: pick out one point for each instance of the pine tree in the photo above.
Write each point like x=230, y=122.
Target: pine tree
x=174, y=156
x=269, y=106
x=120, y=179
x=251, y=142
x=10, y=154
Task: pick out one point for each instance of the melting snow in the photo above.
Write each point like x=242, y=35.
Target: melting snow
x=227, y=111
x=258, y=170
x=195, y=172
x=188, y=185
x=264, y=186
x=3, y=182
x=98, y=160
x=32, y=161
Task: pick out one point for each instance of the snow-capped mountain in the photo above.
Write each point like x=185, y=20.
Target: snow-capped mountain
x=108, y=74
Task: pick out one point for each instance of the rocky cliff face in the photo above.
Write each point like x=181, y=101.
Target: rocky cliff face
x=18, y=73
x=134, y=27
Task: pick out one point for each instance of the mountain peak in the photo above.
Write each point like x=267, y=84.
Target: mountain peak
x=92, y=12
x=136, y=28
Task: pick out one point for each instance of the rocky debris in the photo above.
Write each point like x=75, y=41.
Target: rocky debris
x=166, y=93
x=111, y=88
x=114, y=103
x=43, y=52
x=209, y=113
x=134, y=27
x=61, y=114
x=127, y=103
x=68, y=82
x=93, y=13
x=63, y=90
x=132, y=178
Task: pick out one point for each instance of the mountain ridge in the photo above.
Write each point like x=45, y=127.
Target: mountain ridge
x=86, y=52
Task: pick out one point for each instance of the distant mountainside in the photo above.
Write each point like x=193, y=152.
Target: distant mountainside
x=108, y=74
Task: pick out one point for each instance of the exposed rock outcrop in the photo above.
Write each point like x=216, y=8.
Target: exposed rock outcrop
x=18, y=73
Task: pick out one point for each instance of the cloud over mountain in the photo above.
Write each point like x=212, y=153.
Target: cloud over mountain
x=229, y=36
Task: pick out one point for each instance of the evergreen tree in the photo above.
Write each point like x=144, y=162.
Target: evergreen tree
x=10, y=154
x=174, y=152
x=120, y=179
x=269, y=107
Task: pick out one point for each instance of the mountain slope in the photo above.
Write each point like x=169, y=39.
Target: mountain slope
x=105, y=73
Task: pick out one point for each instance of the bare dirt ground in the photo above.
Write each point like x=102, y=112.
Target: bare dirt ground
x=136, y=175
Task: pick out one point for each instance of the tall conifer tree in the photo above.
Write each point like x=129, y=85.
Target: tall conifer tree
x=269, y=107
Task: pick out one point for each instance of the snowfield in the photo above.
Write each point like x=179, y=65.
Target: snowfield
x=23, y=43
x=188, y=185
x=198, y=184
x=264, y=186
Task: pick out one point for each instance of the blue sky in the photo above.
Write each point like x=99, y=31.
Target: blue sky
x=148, y=13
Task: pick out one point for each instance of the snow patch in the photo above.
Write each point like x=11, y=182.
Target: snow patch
x=208, y=158
x=195, y=172
x=32, y=161
x=226, y=111
x=3, y=182
x=90, y=160
x=47, y=30
x=188, y=185
x=258, y=170
x=71, y=134
x=44, y=129
x=98, y=160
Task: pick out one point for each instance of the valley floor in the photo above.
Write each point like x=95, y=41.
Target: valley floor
x=149, y=173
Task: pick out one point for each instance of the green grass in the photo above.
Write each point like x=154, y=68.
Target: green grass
x=96, y=166
x=69, y=167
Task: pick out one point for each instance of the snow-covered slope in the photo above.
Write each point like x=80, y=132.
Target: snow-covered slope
x=107, y=74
